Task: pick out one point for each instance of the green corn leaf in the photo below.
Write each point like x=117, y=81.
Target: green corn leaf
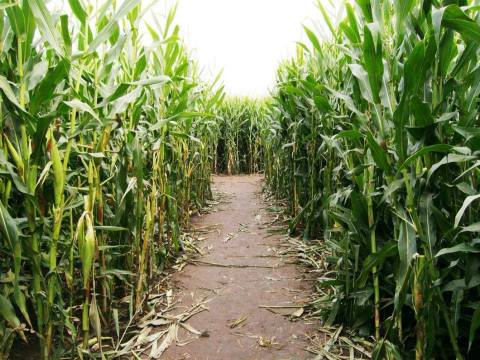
x=7, y=5
x=439, y=148
x=400, y=117
x=421, y=112
x=16, y=18
x=170, y=17
x=437, y=17
x=454, y=18
x=46, y=25
x=412, y=71
x=350, y=134
x=472, y=228
x=121, y=104
x=450, y=159
x=366, y=7
x=67, y=40
x=82, y=107
x=17, y=180
x=464, y=207
x=407, y=245
x=347, y=100
x=108, y=29
x=161, y=79
x=45, y=90
x=378, y=153
x=428, y=221
x=448, y=51
x=110, y=228
x=474, y=326
x=402, y=10
x=78, y=10
x=377, y=259
x=326, y=17
x=8, y=92
x=10, y=230
x=372, y=55
x=37, y=74
x=353, y=22
x=313, y=38
x=468, y=56
x=363, y=80
x=349, y=33
x=460, y=248
x=7, y=312
x=467, y=132
x=8, y=226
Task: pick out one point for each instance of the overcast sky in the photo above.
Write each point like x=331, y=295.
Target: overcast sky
x=247, y=38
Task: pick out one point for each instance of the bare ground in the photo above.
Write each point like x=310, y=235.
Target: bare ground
x=239, y=277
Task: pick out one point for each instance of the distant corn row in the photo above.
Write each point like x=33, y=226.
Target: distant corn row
x=105, y=152
x=239, y=147
x=374, y=139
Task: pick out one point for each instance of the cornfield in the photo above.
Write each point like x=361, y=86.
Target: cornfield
x=239, y=149
x=373, y=140
x=105, y=153
x=110, y=136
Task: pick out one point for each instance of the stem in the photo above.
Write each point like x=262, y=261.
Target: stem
x=373, y=246
x=418, y=303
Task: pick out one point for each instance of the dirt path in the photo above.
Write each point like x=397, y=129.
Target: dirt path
x=236, y=326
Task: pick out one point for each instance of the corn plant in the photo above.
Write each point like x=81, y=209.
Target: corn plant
x=105, y=154
x=372, y=137
x=238, y=149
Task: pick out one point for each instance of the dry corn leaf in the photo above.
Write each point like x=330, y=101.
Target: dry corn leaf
x=266, y=342
x=191, y=329
x=285, y=310
x=229, y=237
x=240, y=320
x=167, y=341
x=298, y=312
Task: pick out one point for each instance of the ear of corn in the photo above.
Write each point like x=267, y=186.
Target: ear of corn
x=106, y=149
x=372, y=137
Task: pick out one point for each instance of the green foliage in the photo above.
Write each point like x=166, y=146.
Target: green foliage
x=239, y=150
x=373, y=139
x=105, y=152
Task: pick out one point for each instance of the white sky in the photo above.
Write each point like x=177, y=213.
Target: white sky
x=245, y=38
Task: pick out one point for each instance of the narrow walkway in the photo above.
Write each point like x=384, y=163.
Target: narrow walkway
x=244, y=283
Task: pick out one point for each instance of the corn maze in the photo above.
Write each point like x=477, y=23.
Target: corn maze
x=371, y=138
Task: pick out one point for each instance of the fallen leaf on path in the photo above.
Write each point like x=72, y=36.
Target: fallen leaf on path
x=243, y=228
x=240, y=320
x=299, y=312
x=229, y=237
x=158, y=330
x=271, y=278
x=157, y=351
x=169, y=297
x=285, y=310
x=261, y=340
x=240, y=266
x=249, y=335
x=266, y=342
x=191, y=329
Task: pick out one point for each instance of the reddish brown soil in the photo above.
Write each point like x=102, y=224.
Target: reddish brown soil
x=239, y=292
